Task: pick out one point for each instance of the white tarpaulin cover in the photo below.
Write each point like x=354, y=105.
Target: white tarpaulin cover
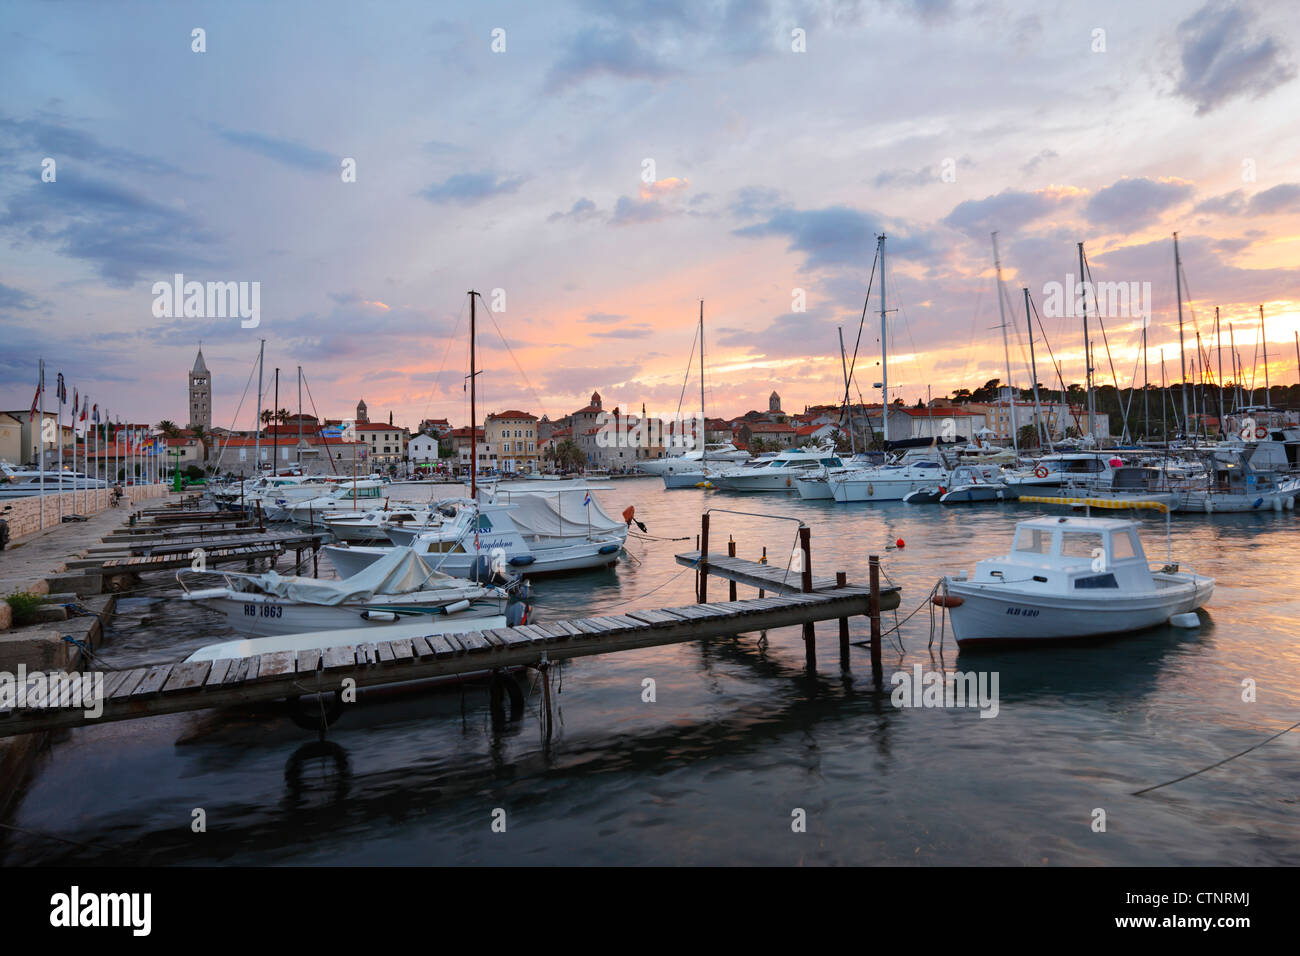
x=559, y=513
x=400, y=571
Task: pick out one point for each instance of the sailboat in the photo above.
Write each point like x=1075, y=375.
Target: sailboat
x=694, y=472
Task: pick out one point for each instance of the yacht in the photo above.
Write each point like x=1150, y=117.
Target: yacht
x=919, y=468
x=779, y=472
x=26, y=482
x=715, y=453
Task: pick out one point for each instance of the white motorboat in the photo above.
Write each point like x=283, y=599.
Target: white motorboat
x=397, y=586
x=919, y=468
x=374, y=525
x=1096, y=469
x=486, y=534
x=26, y=482
x=1068, y=578
x=777, y=473
x=346, y=498
x=713, y=453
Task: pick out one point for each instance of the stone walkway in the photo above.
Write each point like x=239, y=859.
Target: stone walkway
x=41, y=554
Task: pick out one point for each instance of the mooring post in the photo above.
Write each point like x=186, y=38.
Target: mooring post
x=809, y=634
x=704, y=558
x=731, y=553
x=874, y=608
x=762, y=560
x=545, y=669
x=842, y=580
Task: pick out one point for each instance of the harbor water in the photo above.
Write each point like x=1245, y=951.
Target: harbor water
x=739, y=737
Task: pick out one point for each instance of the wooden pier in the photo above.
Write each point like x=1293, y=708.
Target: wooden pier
x=179, y=687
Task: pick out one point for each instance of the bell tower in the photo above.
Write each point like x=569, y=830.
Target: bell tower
x=200, y=394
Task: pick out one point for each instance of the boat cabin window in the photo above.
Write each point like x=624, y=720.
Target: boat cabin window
x=1033, y=541
x=1082, y=544
x=1093, y=581
x=832, y=462
x=1121, y=546
x=484, y=524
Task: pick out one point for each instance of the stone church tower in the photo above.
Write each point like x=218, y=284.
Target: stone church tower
x=200, y=395
x=361, y=411
x=774, y=402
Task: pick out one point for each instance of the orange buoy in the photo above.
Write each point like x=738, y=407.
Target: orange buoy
x=899, y=543
x=946, y=600
x=628, y=514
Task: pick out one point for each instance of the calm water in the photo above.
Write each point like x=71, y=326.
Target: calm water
x=740, y=735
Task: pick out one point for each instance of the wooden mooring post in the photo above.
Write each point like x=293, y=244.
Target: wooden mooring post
x=809, y=632
x=731, y=553
x=874, y=610
x=703, y=596
x=842, y=580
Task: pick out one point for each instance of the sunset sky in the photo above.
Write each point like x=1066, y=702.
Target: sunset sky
x=614, y=164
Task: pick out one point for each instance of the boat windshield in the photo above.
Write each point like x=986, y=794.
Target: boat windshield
x=1082, y=544
x=1033, y=541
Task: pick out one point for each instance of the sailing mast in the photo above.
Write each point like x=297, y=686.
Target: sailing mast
x=257, y=445
x=473, y=408
x=300, y=419
x=275, y=433
x=1218, y=347
x=704, y=422
x=1087, y=350
x=1264, y=339
x=1006, y=352
x=1182, y=355
x=1146, y=393
x=884, y=350
x=848, y=408
x=1033, y=371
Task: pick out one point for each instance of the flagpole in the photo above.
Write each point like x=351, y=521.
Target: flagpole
x=95, y=423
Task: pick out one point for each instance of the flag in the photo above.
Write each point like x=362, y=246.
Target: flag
x=94, y=413
x=36, y=401
x=61, y=390
x=586, y=500
x=75, y=400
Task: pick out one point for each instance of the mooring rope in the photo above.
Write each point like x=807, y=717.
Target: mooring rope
x=1188, y=776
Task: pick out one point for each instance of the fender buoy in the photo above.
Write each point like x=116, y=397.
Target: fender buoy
x=951, y=600
x=1261, y=432
x=943, y=490
x=787, y=482
x=628, y=514
x=1041, y=471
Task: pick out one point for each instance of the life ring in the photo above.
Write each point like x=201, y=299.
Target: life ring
x=1261, y=432
x=946, y=600
x=1041, y=471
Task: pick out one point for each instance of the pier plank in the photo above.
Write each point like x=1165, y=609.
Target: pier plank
x=384, y=652
x=652, y=617
x=472, y=642
x=339, y=658
x=187, y=676
x=421, y=647
x=217, y=675
x=402, y=650
x=308, y=661
x=153, y=681
x=129, y=682
x=443, y=647
x=275, y=664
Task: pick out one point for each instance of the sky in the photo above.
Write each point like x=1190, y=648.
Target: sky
x=597, y=169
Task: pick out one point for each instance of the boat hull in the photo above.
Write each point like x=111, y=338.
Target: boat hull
x=998, y=614
x=350, y=561
x=877, y=489
x=260, y=616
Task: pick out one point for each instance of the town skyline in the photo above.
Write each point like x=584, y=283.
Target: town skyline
x=604, y=172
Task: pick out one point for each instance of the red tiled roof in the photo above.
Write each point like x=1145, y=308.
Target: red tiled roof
x=512, y=414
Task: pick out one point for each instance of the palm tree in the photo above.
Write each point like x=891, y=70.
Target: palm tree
x=168, y=428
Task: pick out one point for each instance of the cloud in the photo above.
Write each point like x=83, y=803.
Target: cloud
x=651, y=204
x=1284, y=197
x=581, y=211
x=468, y=189
x=1133, y=203
x=636, y=330
x=602, y=317
x=15, y=300
x=280, y=150
x=575, y=380
x=1043, y=156
x=1220, y=61
x=836, y=235
x=123, y=233
x=750, y=202
x=1009, y=209
x=50, y=136
x=599, y=51
x=905, y=177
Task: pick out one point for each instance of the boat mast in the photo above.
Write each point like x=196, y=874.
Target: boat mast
x=1218, y=347
x=257, y=445
x=1087, y=351
x=1146, y=392
x=275, y=434
x=300, y=419
x=1236, y=374
x=1182, y=354
x=848, y=408
x=884, y=350
x=1164, y=404
x=1033, y=371
x=704, y=426
x=1006, y=351
x=473, y=408
x=1264, y=339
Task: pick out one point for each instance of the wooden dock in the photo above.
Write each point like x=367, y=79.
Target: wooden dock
x=179, y=687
